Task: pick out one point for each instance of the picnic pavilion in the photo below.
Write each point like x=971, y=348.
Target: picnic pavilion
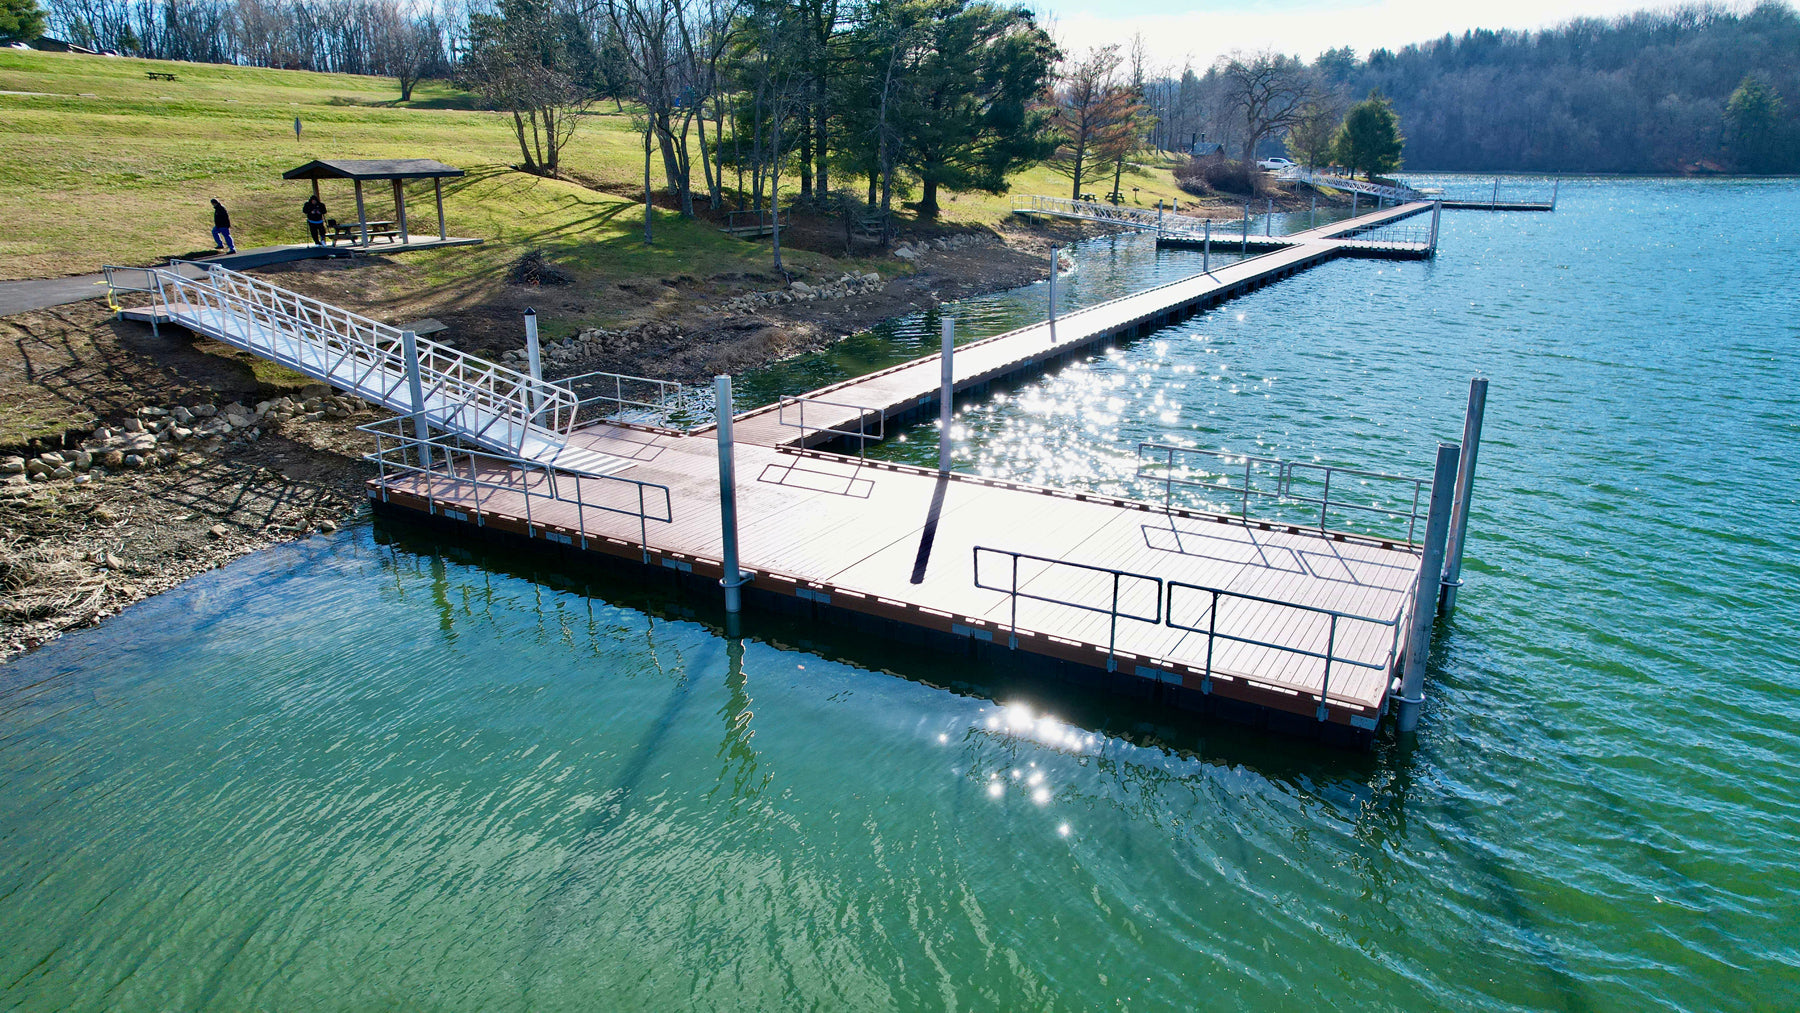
x=394, y=170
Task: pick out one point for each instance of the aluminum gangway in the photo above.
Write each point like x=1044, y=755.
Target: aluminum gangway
x=1397, y=194
x=481, y=402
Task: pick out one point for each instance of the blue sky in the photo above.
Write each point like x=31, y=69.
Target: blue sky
x=1175, y=30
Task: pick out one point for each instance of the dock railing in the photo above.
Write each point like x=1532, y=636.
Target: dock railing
x=1121, y=583
x=457, y=475
x=1207, y=622
x=1063, y=207
x=629, y=393
x=1296, y=483
x=860, y=434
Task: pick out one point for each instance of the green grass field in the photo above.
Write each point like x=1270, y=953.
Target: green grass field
x=99, y=165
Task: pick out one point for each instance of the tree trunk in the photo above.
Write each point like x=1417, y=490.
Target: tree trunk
x=928, y=205
x=646, y=182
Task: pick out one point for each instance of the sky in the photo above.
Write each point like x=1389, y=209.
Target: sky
x=1175, y=30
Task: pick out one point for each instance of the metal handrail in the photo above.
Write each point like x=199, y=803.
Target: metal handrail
x=861, y=435
x=1389, y=234
x=353, y=352
x=1396, y=193
x=1329, y=656
x=665, y=391
x=1112, y=610
x=1149, y=221
x=1284, y=491
x=400, y=451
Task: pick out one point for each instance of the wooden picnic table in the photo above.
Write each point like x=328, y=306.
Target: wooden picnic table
x=353, y=231
x=159, y=75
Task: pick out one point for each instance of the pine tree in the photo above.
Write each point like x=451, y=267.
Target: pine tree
x=1370, y=138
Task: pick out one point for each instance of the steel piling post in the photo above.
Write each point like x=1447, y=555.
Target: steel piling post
x=409, y=349
x=946, y=394
x=1465, y=485
x=1206, y=251
x=1424, y=607
x=1055, y=256
x=733, y=579
x=1269, y=217
x=1246, y=230
x=532, y=355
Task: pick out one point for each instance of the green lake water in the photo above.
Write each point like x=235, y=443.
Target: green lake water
x=385, y=769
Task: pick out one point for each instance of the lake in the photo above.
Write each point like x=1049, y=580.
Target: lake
x=388, y=769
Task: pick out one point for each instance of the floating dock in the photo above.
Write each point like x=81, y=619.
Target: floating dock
x=1300, y=625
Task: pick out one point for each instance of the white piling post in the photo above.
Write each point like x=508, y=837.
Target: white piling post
x=1055, y=256
x=1494, y=202
x=1424, y=608
x=1555, y=185
x=1465, y=485
x=946, y=393
x=1269, y=217
x=1312, y=214
x=1206, y=251
x=1355, y=195
x=733, y=579
x=409, y=350
x=536, y=364
x=1437, y=209
x=1246, y=229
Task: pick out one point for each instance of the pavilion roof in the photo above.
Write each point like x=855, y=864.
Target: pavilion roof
x=373, y=168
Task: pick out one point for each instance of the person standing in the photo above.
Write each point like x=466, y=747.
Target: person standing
x=315, y=219
x=222, y=228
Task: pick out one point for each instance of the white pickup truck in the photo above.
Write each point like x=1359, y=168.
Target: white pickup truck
x=1276, y=164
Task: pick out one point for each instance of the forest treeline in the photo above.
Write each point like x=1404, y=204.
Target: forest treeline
x=1694, y=88
x=888, y=99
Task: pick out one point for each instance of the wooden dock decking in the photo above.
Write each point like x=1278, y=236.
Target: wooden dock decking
x=1215, y=607
x=898, y=544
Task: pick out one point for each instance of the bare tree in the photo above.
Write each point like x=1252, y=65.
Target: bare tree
x=1269, y=92
x=511, y=64
x=1089, y=112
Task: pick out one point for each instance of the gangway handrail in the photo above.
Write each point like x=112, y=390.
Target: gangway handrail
x=1329, y=656
x=356, y=353
x=1014, y=593
x=861, y=435
x=400, y=451
x=1284, y=491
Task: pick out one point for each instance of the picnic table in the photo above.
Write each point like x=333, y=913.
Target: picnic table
x=353, y=231
x=159, y=75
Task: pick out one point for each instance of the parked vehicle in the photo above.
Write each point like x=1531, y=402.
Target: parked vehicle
x=1276, y=164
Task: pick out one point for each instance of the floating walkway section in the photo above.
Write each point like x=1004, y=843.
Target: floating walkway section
x=1251, y=590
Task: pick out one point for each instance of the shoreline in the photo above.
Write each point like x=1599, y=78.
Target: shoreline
x=176, y=454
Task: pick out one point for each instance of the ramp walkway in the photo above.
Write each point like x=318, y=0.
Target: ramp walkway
x=482, y=402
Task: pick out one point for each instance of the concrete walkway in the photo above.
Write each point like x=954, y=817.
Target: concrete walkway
x=43, y=293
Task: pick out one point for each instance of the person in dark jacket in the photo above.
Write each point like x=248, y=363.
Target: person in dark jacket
x=315, y=219
x=222, y=228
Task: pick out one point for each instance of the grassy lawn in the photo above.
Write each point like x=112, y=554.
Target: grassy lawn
x=99, y=164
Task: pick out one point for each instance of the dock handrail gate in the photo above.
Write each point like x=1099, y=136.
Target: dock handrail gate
x=1169, y=474
x=1112, y=610
x=861, y=434
x=400, y=452
x=1164, y=613
x=664, y=392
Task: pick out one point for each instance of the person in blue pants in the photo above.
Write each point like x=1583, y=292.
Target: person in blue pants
x=222, y=228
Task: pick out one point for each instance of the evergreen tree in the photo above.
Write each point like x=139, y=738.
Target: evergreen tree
x=1754, y=126
x=1370, y=138
x=20, y=20
x=967, y=116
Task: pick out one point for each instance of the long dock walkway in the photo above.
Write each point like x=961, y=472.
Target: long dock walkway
x=867, y=402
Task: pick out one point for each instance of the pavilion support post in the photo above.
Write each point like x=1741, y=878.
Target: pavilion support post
x=946, y=393
x=1465, y=485
x=400, y=209
x=316, y=196
x=362, y=214
x=437, y=185
x=733, y=578
x=1424, y=606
